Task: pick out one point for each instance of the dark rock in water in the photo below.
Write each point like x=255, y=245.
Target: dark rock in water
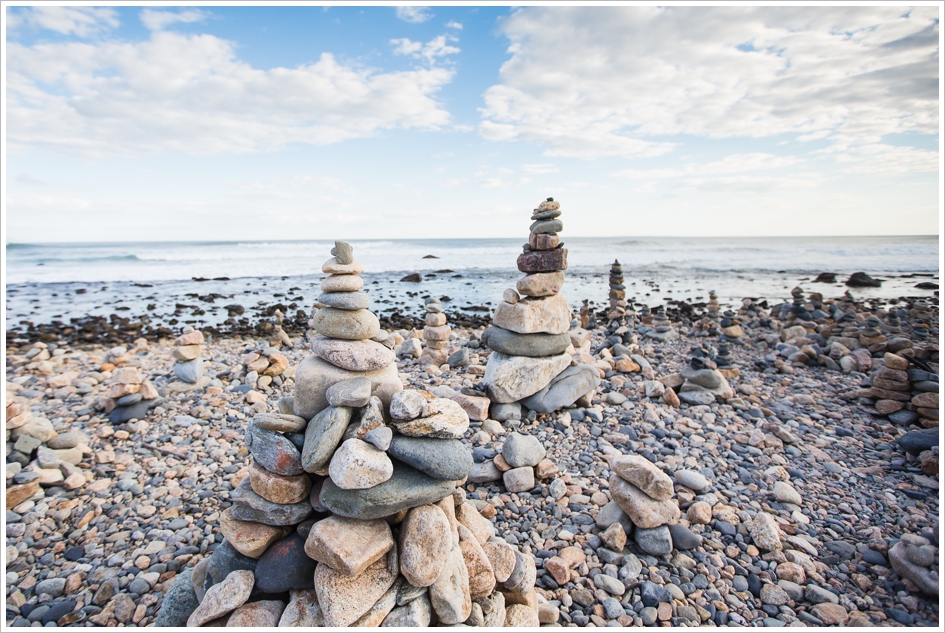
x=927, y=285
x=826, y=278
x=179, y=602
x=285, y=566
x=429, y=257
x=226, y=559
x=136, y=411
x=532, y=345
x=414, y=277
x=917, y=441
x=234, y=309
x=862, y=280
x=407, y=488
x=439, y=458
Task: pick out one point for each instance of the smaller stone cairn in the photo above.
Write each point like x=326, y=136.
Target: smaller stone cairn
x=646, y=317
x=662, y=329
x=130, y=396
x=520, y=464
x=264, y=366
x=917, y=561
x=617, y=295
x=708, y=325
x=725, y=363
x=187, y=350
x=644, y=494
x=730, y=330
x=701, y=381
x=436, y=335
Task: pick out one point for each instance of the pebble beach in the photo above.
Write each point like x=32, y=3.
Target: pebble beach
x=795, y=495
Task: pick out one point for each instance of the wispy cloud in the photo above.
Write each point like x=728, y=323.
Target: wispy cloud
x=79, y=21
x=156, y=20
x=437, y=47
x=415, y=15
x=540, y=168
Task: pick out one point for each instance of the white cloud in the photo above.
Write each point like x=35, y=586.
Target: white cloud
x=734, y=163
x=80, y=21
x=495, y=183
x=452, y=24
x=878, y=158
x=415, y=15
x=437, y=47
x=752, y=184
x=190, y=93
x=629, y=77
x=646, y=174
x=157, y=20
x=540, y=168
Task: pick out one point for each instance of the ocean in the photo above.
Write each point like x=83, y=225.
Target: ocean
x=61, y=281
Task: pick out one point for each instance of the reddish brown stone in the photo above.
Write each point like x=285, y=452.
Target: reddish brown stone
x=20, y=493
x=889, y=406
x=886, y=394
x=543, y=241
x=543, y=261
x=892, y=385
x=926, y=400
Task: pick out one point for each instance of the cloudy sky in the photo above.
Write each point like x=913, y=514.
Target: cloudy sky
x=235, y=123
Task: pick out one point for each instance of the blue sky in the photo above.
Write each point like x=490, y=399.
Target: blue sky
x=235, y=123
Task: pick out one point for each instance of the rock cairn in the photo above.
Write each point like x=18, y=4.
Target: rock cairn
x=643, y=494
x=530, y=361
x=38, y=458
x=363, y=526
x=917, y=560
x=708, y=325
x=617, y=295
x=264, y=366
x=701, y=381
x=436, y=334
x=662, y=329
x=906, y=394
x=730, y=330
x=520, y=464
x=347, y=343
x=129, y=397
x=187, y=349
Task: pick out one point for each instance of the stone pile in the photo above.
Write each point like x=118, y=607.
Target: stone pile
x=708, y=325
x=796, y=310
x=520, y=464
x=643, y=494
x=436, y=334
x=187, y=349
x=129, y=396
x=730, y=330
x=361, y=526
x=617, y=295
x=907, y=395
x=700, y=382
x=38, y=458
x=916, y=560
x=530, y=361
x=662, y=329
x=264, y=366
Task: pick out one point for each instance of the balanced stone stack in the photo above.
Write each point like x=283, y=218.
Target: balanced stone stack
x=796, y=310
x=730, y=330
x=906, y=395
x=917, y=560
x=708, y=325
x=264, y=366
x=436, y=335
x=530, y=361
x=725, y=363
x=617, y=294
x=662, y=329
x=346, y=344
x=363, y=526
x=703, y=381
x=645, y=494
x=187, y=349
x=130, y=396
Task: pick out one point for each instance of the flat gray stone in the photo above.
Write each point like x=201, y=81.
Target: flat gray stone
x=656, y=541
x=354, y=392
x=189, y=371
x=533, y=345
x=522, y=450
x=345, y=300
x=249, y=506
x=564, y=389
x=443, y=459
x=322, y=436
x=407, y=488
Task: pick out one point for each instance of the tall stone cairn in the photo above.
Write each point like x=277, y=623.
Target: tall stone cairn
x=436, y=335
x=529, y=339
x=617, y=293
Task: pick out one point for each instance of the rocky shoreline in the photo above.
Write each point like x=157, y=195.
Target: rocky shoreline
x=800, y=502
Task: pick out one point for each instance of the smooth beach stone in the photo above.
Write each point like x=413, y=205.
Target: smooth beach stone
x=540, y=284
x=643, y=474
x=342, y=283
x=702, y=397
x=343, y=598
x=543, y=261
x=407, y=405
x=549, y=315
x=564, y=389
x=921, y=577
x=261, y=613
x=425, y=541
x=543, y=241
x=249, y=538
x=443, y=418
x=279, y=488
x=765, y=532
x=917, y=441
x=384, y=605
x=342, y=252
x=511, y=378
x=484, y=472
x=285, y=566
x=449, y=593
x=444, y=459
x=691, y=479
x=550, y=214
x=314, y=376
x=707, y=378
x=380, y=437
x=683, y=537
x=224, y=560
x=191, y=338
x=407, y=488
x=479, y=569
x=280, y=422
x=334, y=267
x=273, y=451
x=439, y=333
x=179, y=602
x=548, y=204
x=186, y=352
x=546, y=226
x=223, y=597
x=519, y=479
x=357, y=465
x=348, y=546
x=357, y=356
x=434, y=319
x=643, y=510
x=302, y=610
x=249, y=506
x=354, y=392
x=416, y=613
x=656, y=541
x=534, y=345
x=345, y=300
x=322, y=436
x=351, y=325
x=189, y=371
x=522, y=450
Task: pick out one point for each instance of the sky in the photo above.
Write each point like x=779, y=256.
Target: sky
x=307, y=122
